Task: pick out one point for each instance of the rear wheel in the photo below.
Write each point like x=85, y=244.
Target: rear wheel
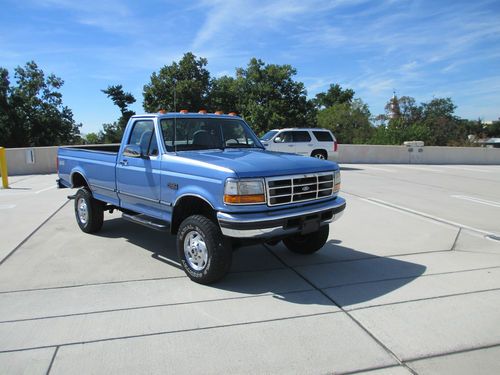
x=203, y=251
x=307, y=243
x=88, y=211
x=319, y=154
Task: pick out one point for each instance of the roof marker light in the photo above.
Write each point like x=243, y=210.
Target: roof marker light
x=218, y=113
x=183, y=111
x=202, y=111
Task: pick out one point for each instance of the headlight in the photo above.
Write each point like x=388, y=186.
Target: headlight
x=244, y=191
x=336, y=176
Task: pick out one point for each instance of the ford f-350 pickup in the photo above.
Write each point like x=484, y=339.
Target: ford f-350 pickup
x=207, y=179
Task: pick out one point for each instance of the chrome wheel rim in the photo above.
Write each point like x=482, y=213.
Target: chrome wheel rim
x=195, y=250
x=83, y=212
x=320, y=156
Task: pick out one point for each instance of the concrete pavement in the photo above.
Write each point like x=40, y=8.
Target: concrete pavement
x=409, y=282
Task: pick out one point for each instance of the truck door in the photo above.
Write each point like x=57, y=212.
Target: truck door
x=303, y=142
x=138, y=171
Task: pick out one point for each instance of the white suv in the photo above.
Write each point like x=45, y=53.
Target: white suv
x=318, y=143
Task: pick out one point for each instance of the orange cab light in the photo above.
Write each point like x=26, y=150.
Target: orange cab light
x=254, y=198
x=202, y=111
x=218, y=112
x=162, y=111
x=184, y=111
x=232, y=114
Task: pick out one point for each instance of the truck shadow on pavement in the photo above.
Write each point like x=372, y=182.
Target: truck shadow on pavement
x=348, y=276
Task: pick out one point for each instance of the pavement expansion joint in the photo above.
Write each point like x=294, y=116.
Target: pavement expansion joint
x=160, y=333
x=346, y=312
x=32, y=233
x=157, y=305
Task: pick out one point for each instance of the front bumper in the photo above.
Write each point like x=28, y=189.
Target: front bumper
x=279, y=223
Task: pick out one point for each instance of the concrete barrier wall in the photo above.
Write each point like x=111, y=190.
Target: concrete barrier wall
x=34, y=160
x=39, y=160
x=417, y=155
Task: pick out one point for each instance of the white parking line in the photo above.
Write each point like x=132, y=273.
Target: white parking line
x=477, y=200
x=6, y=206
x=379, y=169
x=389, y=205
x=465, y=168
x=414, y=167
x=49, y=188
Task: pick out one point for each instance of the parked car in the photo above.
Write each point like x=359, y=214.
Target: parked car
x=318, y=143
x=207, y=179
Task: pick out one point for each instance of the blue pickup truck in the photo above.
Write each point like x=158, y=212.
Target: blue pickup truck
x=207, y=179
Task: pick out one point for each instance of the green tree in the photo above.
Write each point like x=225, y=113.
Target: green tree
x=224, y=95
x=334, y=95
x=350, y=122
x=190, y=80
x=269, y=97
x=93, y=138
x=112, y=133
x=32, y=111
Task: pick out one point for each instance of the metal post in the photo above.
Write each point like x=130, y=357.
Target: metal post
x=3, y=168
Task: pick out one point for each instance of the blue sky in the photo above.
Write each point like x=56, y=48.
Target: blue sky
x=423, y=49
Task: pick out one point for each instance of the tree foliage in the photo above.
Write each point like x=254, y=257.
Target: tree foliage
x=350, y=122
x=270, y=98
x=334, y=95
x=32, y=111
x=433, y=122
x=112, y=133
x=188, y=78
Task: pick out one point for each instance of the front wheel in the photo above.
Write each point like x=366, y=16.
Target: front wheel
x=88, y=211
x=203, y=251
x=307, y=243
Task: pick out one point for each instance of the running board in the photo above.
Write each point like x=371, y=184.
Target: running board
x=147, y=222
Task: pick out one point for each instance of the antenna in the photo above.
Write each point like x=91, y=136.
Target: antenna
x=175, y=115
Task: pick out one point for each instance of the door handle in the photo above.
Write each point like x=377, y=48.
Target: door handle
x=310, y=144
x=124, y=162
x=290, y=145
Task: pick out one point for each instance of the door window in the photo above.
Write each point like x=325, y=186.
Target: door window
x=143, y=135
x=285, y=137
x=301, y=136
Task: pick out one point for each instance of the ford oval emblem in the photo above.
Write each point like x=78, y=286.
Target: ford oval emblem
x=305, y=188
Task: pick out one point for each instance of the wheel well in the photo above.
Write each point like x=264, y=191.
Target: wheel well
x=77, y=180
x=320, y=150
x=187, y=206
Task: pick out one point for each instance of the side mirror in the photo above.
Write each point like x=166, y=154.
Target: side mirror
x=278, y=140
x=133, y=151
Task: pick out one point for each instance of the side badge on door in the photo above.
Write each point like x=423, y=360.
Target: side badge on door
x=173, y=186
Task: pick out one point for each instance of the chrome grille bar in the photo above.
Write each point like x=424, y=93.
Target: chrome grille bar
x=299, y=188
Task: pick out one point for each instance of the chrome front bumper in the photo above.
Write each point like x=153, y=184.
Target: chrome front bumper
x=282, y=222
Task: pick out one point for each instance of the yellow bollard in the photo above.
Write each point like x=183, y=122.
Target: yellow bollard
x=3, y=168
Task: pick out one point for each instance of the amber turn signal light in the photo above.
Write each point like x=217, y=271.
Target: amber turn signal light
x=242, y=199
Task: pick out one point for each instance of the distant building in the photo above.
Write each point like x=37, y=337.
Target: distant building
x=394, y=110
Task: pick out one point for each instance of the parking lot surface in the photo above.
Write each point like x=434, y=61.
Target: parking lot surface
x=409, y=282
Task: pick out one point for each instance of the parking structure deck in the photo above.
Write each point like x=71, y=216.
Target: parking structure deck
x=409, y=282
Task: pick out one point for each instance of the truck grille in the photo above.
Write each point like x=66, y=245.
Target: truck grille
x=299, y=188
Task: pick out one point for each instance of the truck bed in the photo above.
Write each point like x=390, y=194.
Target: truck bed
x=99, y=164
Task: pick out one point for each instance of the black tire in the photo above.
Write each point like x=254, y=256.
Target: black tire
x=205, y=263
x=307, y=243
x=85, y=202
x=320, y=154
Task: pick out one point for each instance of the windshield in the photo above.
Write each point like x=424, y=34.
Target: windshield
x=201, y=133
x=268, y=135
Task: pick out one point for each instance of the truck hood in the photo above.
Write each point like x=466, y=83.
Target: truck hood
x=260, y=163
